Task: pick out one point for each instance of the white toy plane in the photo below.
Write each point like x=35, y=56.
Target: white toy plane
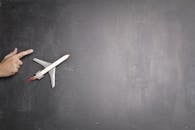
x=49, y=67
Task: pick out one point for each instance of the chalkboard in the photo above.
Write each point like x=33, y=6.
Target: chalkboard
x=131, y=65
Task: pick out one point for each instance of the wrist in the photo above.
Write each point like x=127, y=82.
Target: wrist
x=1, y=71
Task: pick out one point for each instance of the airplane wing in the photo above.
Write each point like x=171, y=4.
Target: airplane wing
x=51, y=72
x=52, y=77
x=41, y=62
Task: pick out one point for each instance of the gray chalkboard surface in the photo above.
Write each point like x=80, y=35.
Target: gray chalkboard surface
x=132, y=64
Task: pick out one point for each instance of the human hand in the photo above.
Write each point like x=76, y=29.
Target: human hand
x=11, y=62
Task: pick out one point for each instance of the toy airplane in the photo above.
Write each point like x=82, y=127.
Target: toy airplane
x=49, y=67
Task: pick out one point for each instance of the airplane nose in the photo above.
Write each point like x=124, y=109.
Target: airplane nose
x=68, y=55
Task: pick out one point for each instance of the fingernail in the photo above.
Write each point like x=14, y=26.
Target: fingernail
x=31, y=50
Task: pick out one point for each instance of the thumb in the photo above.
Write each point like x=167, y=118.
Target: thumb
x=11, y=54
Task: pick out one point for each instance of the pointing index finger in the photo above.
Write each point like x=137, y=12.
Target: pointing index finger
x=24, y=53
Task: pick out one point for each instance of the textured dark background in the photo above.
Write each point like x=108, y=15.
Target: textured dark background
x=132, y=64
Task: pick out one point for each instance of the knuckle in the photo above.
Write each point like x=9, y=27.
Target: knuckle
x=15, y=70
x=13, y=58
